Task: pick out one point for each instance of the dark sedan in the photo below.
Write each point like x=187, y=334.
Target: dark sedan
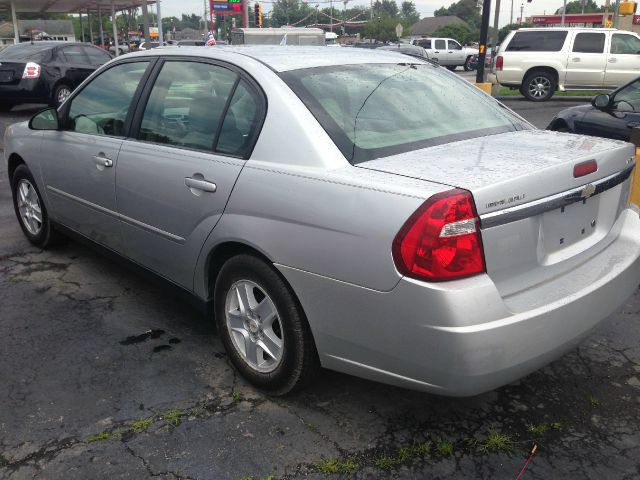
x=45, y=72
x=611, y=115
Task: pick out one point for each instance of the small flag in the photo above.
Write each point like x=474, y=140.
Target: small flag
x=210, y=40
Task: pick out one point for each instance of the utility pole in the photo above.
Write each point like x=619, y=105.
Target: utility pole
x=494, y=32
x=331, y=15
x=344, y=18
x=145, y=21
x=564, y=10
x=511, y=17
x=521, y=12
x=159, y=15
x=482, y=48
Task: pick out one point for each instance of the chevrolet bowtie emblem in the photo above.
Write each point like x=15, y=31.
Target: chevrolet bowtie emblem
x=588, y=190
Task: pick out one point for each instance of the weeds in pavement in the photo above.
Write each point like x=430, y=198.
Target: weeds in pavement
x=445, y=448
x=386, y=462
x=336, y=466
x=593, y=400
x=236, y=395
x=172, y=416
x=141, y=425
x=102, y=436
x=497, y=442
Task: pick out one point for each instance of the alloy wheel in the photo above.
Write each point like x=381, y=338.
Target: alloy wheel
x=29, y=207
x=254, y=326
x=63, y=94
x=539, y=87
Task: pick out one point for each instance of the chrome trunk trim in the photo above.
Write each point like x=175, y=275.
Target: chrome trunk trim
x=553, y=202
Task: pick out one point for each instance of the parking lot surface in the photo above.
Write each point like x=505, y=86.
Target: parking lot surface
x=108, y=375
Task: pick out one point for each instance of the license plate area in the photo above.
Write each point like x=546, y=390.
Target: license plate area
x=570, y=224
x=6, y=76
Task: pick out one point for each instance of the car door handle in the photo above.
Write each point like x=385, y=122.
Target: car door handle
x=575, y=59
x=102, y=161
x=198, y=184
x=436, y=51
x=612, y=60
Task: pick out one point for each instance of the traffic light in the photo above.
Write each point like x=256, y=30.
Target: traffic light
x=627, y=8
x=258, y=10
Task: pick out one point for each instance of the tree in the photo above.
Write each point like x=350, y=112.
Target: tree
x=289, y=12
x=576, y=7
x=382, y=29
x=385, y=8
x=408, y=13
x=466, y=10
x=456, y=31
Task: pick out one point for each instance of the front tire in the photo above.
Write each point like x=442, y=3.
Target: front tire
x=451, y=67
x=538, y=86
x=467, y=64
x=30, y=209
x=262, y=326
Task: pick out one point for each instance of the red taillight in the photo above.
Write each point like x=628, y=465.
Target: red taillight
x=585, y=168
x=499, y=62
x=32, y=70
x=441, y=240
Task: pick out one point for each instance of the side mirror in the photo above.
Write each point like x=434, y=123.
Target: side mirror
x=45, y=120
x=601, y=101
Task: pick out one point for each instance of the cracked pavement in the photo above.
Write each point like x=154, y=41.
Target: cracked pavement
x=106, y=375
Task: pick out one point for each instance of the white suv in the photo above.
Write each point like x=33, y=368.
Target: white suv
x=540, y=61
x=447, y=52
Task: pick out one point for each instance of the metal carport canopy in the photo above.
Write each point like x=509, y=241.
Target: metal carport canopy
x=71, y=6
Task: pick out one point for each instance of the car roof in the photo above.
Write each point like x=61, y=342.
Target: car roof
x=286, y=58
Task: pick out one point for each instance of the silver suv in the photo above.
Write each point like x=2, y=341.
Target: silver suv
x=540, y=61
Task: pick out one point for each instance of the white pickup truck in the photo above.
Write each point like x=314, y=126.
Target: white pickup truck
x=447, y=52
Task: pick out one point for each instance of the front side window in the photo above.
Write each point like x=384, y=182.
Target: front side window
x=628, y=99
x=376, y=110
x=589, y=43
x=186, y=105
x=623, y=44
x=439, y=45
x=102, y=106
x=542, y=41
x=454, y=45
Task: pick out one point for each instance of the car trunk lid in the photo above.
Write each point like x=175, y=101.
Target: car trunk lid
x=537, y=220
x=11, y=72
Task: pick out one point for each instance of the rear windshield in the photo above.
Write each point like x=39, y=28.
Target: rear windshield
x=542, y=41
x=376, y=110
x=25, y=51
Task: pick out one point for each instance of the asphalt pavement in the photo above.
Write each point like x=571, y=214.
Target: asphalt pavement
x=108, y=375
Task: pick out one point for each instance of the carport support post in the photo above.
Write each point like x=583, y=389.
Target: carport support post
x=16, y=31
x=115, y=29
x=160, y=32
x=482, y=48
x=81, y=26
x=90, y=27
x=101, y=28
x=145, y=21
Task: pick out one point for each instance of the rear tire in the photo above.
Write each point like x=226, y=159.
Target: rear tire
x=60, y=94
x=262, y=326
x=451, y=67
x=30, y=209
x=538, y=86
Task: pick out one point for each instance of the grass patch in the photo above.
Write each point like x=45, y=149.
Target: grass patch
x=593, y=400
x=507, y=92
x=537, y=429
x=102, y=436
x=336, y=466
x=413, y=451
x=312, y=427
x=497, y=442
x=141, y=425
x=236, y=395
x=172, y=417
x=445, y=448
x=385, y=462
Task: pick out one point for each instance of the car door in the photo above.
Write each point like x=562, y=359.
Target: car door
x=195, y=131
x=623, y=61
x=440, y=51
x=587, y=60
x=78, y=64
x=617, y=120
x=79, y=160
x=455, y=52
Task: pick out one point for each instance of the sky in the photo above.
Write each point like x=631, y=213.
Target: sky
x=425, y=7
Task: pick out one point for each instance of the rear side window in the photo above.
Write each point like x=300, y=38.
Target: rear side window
x=589, y=43
x=439, y=45
x=97, y=56
x=424, y=43
x=240, y=122
x=623, y=44
x=542, y=41
x=74, y=54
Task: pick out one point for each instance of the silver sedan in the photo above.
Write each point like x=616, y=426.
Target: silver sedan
x=358, y=210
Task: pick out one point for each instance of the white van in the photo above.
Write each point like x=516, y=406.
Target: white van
x=277, y=36
x=540, y=61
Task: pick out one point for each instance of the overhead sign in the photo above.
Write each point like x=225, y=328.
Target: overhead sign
x=226, y=7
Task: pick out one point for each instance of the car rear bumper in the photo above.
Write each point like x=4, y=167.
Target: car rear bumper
x=462, y=338
x=25, y=91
